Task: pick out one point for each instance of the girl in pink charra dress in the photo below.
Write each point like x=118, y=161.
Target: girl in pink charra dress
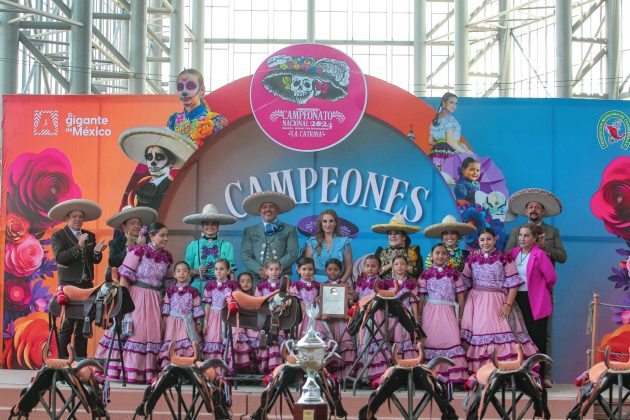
x=336, y=327
x=214, y=295
x=180, y=312
x=442, y=295
x=269, y=357
x=245, y=340
x=307, y=290
x=409, y=287
x=364, y=286
x=488, y=316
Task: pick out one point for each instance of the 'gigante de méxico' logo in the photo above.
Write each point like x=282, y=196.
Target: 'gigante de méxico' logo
x=308, y=97
x=612, y=128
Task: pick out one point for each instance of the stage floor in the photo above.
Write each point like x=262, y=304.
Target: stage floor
x=246, y=399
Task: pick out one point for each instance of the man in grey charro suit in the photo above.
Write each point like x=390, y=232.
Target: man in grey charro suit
x=269, y=239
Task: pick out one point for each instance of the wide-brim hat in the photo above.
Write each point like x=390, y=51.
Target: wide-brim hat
x=147, y=215
x=328, y=76
x=209, y=214
x=396, y=223
x=308, y=226
x=518, y=201
x=252, y=203
x=134, y=141
x=91, y=210
x=449, y=223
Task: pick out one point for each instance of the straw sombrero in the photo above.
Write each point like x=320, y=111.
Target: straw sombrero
x=396, y=223
x=91, y=210
x=209, y=214
x=449, y=223
x=146, y=215
x=134, y=141
x=518, y=201
x=252, y=203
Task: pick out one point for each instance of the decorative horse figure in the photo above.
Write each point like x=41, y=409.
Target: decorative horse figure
x=415, y=375
x=268, y=314
x=594, y=383
x=86, y=381
x=285, y=375
x=492, y=378
x=210, y=390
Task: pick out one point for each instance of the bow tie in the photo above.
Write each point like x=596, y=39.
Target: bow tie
x=271, y=228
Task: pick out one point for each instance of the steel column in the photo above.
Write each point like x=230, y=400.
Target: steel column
x=462, y=87
x=613, y=50
x=505, y=54
x=8, y=52
x=80, y=74
x=564, y=78
x=420, y=47
x=197, y=48
x=138, y=47
x=177, y=43
x=310, y=21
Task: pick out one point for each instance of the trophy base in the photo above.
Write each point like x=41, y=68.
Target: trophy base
x=310, y=411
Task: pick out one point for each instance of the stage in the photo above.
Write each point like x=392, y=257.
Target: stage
x=246, y=398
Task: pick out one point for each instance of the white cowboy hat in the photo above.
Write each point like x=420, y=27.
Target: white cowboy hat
x=396, y=223
x=209, y=214
x=449, y=223
x=146, y=215
x=518, y=201
x=134, y=142
x=91, y=210
x=252, y=203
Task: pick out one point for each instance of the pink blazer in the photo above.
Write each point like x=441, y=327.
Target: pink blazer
x=541, y=276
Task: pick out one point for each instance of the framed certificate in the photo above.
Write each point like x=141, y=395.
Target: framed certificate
x=333, y=300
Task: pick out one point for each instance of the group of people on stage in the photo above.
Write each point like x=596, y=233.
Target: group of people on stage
x=468, y=303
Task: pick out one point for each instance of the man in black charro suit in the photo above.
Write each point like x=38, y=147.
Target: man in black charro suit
x=76, y=252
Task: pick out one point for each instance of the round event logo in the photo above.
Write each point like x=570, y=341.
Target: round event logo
x=308, y=97
x=612, y=128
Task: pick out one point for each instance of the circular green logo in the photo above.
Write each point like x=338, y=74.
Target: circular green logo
x=612, y=128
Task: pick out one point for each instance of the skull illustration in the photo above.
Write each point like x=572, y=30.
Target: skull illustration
x=495, y=203
x=303, y=88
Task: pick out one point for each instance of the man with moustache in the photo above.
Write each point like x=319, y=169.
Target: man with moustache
x=535, y=203
x=76, y=252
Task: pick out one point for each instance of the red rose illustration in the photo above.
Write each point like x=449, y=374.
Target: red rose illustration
x=24, y=349
x=17, y=227
x=611, y=203
x=17, y=294
x=22, y=259
x=38, y=181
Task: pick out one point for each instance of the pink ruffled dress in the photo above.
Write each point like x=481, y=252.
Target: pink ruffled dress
x=491, y=274
x=346, y=346
x=214, y=294
x=307, y=292
x=269, y=358
x=439, y=320
x=146, y=269
x=181, y=310
x=245, y=346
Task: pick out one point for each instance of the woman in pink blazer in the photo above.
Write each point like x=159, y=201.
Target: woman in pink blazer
x=534, y=296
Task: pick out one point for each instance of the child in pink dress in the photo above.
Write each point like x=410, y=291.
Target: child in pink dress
x=307, y=290
x=364, y=286
x=442, y=295
x=336, y=327
x=180, y=311
x=488, y=317
x=408, y=287
x=245, y=340
x=214, y=295
x=269, y=357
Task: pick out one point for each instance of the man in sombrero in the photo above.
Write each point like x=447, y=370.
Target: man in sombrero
x=202, y=253
x=536, y=203
x=76, y=252
x=270, y=238
x=161, y=150
x=130, y=221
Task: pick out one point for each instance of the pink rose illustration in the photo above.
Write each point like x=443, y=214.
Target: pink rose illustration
x=38, y=181
x=22, y=259
x=17, y=227
x=611, y=203
x=17, y=294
